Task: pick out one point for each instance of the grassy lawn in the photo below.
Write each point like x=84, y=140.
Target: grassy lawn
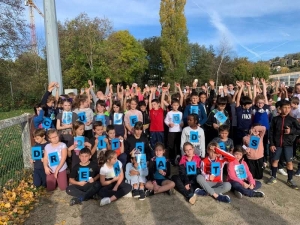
x=13, y=113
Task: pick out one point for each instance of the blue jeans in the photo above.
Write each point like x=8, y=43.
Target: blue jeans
x=39, y=177
x=236, y=186
x=156, y=136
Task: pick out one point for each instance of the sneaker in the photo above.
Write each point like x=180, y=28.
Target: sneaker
x=177, y=159
x=193, y=199
x=171, y=191
x=105, y=201
x=258, y=194
x=135, y=193
x=282, y=172
x=142, y=195
x=149, y=193
x=291, y=184
x=238, y=194
x=223, y=198
x=75, y=201
x=272, y=180
x=200, y=192
x=297, y=174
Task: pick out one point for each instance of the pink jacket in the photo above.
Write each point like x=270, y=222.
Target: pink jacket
x=232, y=176
x=259, y=152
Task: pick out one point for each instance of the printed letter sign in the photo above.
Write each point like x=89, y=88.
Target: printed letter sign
x=84, y=174
x=53, y=159
x=82, y=117
x=161, y=163
x=215, y=169
x=254, y=141
x=115, y=143
x=140, y=146
x=191, y=168
x=36, y=152
x=193, y=136
x=133, y=119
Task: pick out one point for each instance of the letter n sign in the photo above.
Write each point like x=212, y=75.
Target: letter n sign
x=53, y=159
x=84, y=174
x=191, y=168
x=215, y=168
x=36, y=152
x=193, y=136
x=117, y=169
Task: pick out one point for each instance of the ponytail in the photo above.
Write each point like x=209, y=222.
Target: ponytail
x=104, y=156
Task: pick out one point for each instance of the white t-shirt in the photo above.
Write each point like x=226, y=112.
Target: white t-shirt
x=169, y=119
x=109, y=172
x=296, y=112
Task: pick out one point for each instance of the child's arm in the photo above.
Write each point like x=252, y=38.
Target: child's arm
x=202, y=142
x=107, y=80
x=120, y=180
x=127, y=171
x=45, y=163
x=94, y=148
x=107, y=182
x=203, y=118
x=62, y=161
x=79, y=183
x=152, y=93
x=264, y=90
x=232, y=175
x=48, y=93
x=249, y=90
x=241, y=87
x=121, y=144
x=180, y=93
x=255, y=82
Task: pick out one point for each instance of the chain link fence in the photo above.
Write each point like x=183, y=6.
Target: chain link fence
x=15, y=149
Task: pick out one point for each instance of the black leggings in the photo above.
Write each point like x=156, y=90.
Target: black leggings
x=84, y=192
x=123, y=189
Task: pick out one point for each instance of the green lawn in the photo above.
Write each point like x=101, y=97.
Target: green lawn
x=13, y=113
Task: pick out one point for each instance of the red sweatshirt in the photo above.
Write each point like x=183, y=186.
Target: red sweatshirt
x=206, y=168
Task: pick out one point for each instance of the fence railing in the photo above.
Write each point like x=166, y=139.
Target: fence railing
x=15, y=148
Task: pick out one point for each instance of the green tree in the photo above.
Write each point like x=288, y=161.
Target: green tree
x=261, y=70
x=242, y=69
x=125, y=57
x=174, y=40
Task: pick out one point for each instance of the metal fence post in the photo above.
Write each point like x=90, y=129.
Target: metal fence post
x=26, y=145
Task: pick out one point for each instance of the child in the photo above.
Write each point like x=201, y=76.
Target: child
x=85, y=114
x=132, y=116
x=73, y=150
x=48, y=101
x=174, y=121
x=39, y=176
x=295, y=112
x=216, y=118
x=146, y=119
x=137, y=137
x=38, y=116
x=66, y=118
x=224, y=142
x=241, y=178
x=98, y=131
x=83, y=190
x=111, y=134
x=255, y=151
x=193, y=134
x=55, y=162
x=283, y=131
x=185, y=182
x=158, y=178
x=101, y=112
x=243, y=114
x=136, y=177
x=195, y=108
x=111, y=178
x=211, y=178
x=156, y=114
x=116, y=118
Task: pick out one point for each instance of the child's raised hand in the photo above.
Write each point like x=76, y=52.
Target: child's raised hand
x=107, y=80
x=90, y=83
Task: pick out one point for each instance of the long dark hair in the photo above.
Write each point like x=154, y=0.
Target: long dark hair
x=104, y=156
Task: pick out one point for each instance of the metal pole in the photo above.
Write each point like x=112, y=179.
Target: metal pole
x=52, y=43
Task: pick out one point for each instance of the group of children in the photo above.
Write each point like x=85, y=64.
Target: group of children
x=85, y=144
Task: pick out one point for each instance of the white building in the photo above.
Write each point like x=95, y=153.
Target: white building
x=289, y=78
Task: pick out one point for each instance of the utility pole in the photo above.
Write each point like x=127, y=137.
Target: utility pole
x=52, y=44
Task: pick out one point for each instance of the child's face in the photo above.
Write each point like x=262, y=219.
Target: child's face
x=80, y=130
x=100, y=108
x=175, y=106
x=270, y=101
x=294, y=106
x=221, y=107
x=195, y=100
x=138, y=132
x=159, y=151
x=154, y=105
x=260, y=103
x=53, y=138
x=133, y=105
x=113, y=160
x=84, y=158
x=211, y=153
x=86, y=103
x=254, y=131
x=143, y=108
x=98, y=130
x=203, y=99
x=191, y=121
x=285, y=110
x=66, y=106
x=238, y=155
x=38, y=110
x=189, y=150
x=39, y=139
x=224, y=134
x=99, y=94
x=111, y=134
x=116, y=108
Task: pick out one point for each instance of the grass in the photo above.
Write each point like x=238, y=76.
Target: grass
x=13, y=113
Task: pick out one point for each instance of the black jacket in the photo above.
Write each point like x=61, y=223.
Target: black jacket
x=152, y=169
x=187, y=179
x=277, y=136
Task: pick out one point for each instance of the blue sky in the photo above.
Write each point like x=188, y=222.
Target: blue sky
x=257, y=29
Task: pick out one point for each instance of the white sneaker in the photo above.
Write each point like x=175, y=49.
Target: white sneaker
x=282, y=172
x=104, y=201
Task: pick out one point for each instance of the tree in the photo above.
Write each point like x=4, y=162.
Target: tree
x=261, y=70
x=242, y=69
x=174, y=40
x=125, y=57
x=12, y=28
